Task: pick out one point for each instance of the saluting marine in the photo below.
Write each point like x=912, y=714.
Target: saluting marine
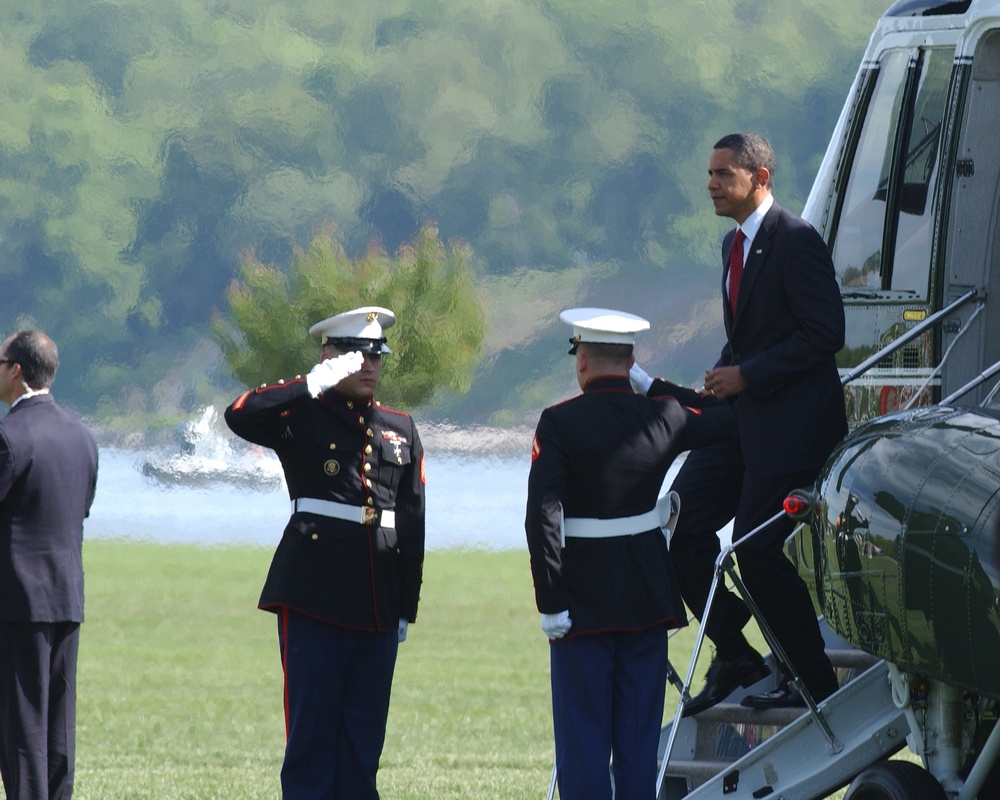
x=602, y=575
x=345, y=578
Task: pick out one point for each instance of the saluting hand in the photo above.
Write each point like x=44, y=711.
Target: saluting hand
x=331, y=371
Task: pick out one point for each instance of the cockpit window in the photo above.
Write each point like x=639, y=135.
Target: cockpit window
x=911, y=262
x=884, y=235
x=857, y=253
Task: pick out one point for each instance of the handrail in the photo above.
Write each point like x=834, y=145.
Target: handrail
x=982, y=377
x=911, y=334
x=724, y=564
x=946, y=355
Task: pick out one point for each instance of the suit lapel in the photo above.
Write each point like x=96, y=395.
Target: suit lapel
x=756, y=258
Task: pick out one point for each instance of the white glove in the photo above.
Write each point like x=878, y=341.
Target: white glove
x=668, y=508
x=328, y=373
x=402, y=630
x=556, y=626
x=640, y=380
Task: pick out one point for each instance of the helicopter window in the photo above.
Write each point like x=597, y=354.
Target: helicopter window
x=911, y=261
x=857, y=252
x=883, y=239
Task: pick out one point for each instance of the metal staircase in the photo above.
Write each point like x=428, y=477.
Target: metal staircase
x=729, y=751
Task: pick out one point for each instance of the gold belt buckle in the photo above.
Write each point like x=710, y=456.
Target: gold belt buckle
x=368, y=515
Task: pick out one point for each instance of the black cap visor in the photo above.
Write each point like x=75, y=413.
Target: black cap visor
x=350, y=344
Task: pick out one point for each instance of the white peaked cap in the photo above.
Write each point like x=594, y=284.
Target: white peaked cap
x=603, y=325
x=366, y=323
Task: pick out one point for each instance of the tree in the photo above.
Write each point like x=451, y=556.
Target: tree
x=435, y=343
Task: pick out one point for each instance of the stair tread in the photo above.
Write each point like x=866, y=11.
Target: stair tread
x=734, y=712
x=851, y=657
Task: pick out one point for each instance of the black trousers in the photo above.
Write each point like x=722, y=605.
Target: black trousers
x=337, y=687
x=714, y=487
x=38, y=709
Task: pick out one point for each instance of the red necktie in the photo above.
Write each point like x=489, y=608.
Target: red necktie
x=735, y=268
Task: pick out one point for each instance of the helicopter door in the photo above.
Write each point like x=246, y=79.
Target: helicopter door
x=972, y=243
x=883, y=223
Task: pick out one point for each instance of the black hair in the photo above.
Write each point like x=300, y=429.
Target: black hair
x=750, y=151
x=38, y=356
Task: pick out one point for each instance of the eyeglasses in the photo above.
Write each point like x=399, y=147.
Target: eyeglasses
x=7, y=361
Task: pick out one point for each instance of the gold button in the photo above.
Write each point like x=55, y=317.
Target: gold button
x=367, y=468
x=361, y=420
x=371, y=433
x=368, y=449
x=350, y=404
x=369, y=501
x=281, y=382
x=368, y=483
x=333, y=445
x=315, y=536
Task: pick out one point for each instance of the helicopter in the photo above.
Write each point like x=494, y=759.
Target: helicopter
x=901, y=551
x=899, y=535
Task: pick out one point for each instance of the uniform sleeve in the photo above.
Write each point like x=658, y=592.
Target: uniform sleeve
x=410, y=528
x=546, y=484
x=710, y=425
x=686, y=397
x=259, y=415
x=701, y=419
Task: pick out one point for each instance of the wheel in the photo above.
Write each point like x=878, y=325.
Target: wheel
x=895, y=780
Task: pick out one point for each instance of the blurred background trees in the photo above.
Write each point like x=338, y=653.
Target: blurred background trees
x=557, y=148
x=439, y=326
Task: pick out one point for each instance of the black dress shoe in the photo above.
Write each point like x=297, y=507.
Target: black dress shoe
x=782, y=697
x=723, y=677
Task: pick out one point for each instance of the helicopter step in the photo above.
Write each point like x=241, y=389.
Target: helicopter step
x=736, y=752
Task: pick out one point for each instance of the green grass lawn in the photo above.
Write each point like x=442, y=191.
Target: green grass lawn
x=180, y=682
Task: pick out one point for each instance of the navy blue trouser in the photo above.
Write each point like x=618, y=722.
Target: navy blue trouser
x=38, y=708
x=337, y=684
x=607, y=703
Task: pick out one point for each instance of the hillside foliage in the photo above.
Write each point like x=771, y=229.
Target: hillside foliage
x=435, y=342
x=146, y=144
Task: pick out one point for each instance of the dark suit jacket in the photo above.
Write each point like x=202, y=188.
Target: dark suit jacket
x=48, y=475
x=604, y=454
x=788, y=327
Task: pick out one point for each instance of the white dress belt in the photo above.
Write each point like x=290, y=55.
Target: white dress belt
x=363, y=515
x=593, y=528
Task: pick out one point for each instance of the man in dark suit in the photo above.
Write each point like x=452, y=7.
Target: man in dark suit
x=48, y=475
x=345, y=578
x=784, y=321
x=599, y=560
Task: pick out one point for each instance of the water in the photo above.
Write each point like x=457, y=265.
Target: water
x=214, y=490
x=472, y=501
